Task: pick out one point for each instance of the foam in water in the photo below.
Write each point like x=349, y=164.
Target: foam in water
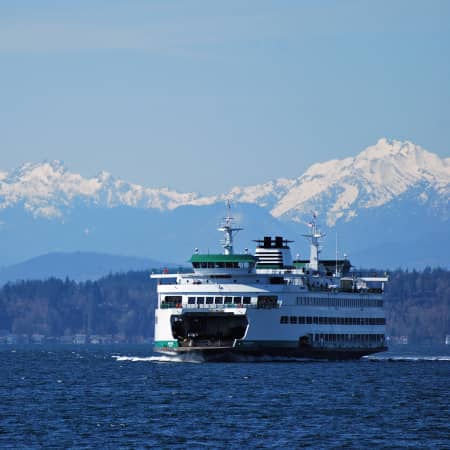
x=239, y=358
x=196, y=358
x=412, y=358
x=162, y=358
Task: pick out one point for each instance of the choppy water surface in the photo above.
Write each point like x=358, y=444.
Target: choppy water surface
x=126, y=397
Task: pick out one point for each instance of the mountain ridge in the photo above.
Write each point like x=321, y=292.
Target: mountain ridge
x=371, y=179
x=396, y=190
x=77, y=266
x=374, y=177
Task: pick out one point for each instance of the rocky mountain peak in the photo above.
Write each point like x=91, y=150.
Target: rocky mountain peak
x=337, y=189
x=377, y=175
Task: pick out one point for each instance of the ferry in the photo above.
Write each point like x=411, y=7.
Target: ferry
x=267, y=304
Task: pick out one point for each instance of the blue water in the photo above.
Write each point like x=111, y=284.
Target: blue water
x=126, y=397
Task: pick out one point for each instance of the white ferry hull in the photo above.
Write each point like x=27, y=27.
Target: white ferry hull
x=238, y=305
x=265, y=333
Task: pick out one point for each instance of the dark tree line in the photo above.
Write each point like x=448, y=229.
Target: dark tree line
x=117, y=304
x=417, y=305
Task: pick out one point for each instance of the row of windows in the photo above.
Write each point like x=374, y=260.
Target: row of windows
x=263, y=301
x=333, y=320
x=342, y=302
x=219, y=300
x=326, y=337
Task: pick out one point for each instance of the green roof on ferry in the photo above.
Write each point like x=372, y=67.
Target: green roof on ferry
x=222, y=258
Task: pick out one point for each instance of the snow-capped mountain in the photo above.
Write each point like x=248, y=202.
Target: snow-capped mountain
x=338, y=189
x=397, y=187
x=48, y=189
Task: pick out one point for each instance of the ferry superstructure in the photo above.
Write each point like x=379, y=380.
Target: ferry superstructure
x=268, y=304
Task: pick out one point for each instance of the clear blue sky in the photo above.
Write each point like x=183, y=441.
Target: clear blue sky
x=206, y=95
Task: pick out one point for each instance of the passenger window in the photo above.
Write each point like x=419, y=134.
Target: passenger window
x=191, y=300
x=218, y=300
x=209, y=300
x=200, y=300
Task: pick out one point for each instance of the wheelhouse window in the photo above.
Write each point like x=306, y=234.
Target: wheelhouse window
x=267, y=301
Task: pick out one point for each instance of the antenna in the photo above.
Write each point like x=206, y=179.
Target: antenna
x=314, y=238
x=336, y=273
x=228, y=230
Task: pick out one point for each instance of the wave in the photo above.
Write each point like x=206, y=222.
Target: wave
x=162, y=358
x=197, y=358
x=413, y=358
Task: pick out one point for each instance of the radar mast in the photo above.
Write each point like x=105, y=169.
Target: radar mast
x=228, y=230
x=314, y=237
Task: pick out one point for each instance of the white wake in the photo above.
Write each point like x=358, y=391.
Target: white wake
x=188, y=358
x=413, y=358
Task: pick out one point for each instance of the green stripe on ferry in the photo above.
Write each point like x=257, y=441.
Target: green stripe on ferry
x=300, y=264
x=166, y=344
x=222, y=258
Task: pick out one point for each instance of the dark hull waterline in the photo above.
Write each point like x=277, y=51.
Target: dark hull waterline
x=232, y=354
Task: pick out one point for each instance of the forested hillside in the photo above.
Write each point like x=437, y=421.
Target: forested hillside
x=120, y=305
x=417, y=305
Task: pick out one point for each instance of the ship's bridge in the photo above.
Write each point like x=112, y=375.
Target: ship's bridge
x=213, y=264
